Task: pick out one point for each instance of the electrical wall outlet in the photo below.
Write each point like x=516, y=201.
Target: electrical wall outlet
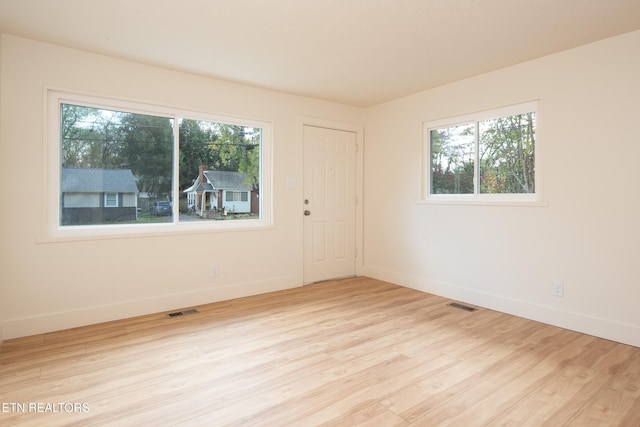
x=214, y=271
x=558, y=288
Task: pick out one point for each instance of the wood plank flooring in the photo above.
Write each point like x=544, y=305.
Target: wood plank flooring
x=339, y=353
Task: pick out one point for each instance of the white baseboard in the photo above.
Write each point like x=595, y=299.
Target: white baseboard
x=50, y=322
x=603, y=328
x=580, y=322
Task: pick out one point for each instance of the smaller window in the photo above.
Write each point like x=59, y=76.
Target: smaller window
x=237, y=196
x=111, y=200
x=487, y=156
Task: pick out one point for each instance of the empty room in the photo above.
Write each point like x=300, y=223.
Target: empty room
x=305, y=213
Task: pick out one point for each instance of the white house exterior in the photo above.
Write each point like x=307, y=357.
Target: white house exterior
x=219, y=190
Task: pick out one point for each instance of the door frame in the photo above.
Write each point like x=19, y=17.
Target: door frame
x=359, y=184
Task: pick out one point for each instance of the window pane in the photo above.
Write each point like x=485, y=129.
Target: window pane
x=126, y=156
x=111, y=200
x=219, y=168
x=452, y=159
x=506, y=148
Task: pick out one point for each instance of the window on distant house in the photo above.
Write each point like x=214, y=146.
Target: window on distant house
x=111, y=200
x=488, y=156
x=119, y=167
x=237, y=196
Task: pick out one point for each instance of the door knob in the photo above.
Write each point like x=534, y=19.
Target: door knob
x=307, y=212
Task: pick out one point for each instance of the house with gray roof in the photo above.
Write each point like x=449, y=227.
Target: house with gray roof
x=216, y=190
x=98, y=196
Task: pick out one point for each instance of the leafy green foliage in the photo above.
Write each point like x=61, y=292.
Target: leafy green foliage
x=197, y=147
x=219, y=146
x=506, y=156
x=240, y=151
x=98, y=138
x=452, y=154
x=91, y=138
x=148, y=151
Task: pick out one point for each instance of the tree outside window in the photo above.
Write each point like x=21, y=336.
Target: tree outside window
x=103, y=141
x=488, y=155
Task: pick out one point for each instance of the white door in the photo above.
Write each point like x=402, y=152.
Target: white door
x=329, y=204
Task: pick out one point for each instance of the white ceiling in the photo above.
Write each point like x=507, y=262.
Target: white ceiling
x=357, y=52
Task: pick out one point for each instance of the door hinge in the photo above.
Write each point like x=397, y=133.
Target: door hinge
x=356, y=252
x=356, y=148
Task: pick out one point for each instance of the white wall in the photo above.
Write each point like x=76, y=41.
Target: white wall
x=504, y=258
x=507, y=258
x=238, y=207
x=51, y=286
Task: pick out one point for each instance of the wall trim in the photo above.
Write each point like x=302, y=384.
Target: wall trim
x=580, y=322
x=51, y=322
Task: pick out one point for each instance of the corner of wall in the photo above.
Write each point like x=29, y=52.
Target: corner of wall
x=50, y=322
x=1, y=144
x=579, y=322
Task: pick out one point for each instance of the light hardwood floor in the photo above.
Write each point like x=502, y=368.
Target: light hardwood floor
x=339, y=353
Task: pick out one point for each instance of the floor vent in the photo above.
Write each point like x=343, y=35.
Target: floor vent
x=182, y=313
x=462, y=306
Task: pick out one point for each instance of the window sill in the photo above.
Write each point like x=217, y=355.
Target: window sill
x=87, y=233
x=483, y=202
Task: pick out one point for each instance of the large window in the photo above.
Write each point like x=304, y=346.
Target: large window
x=120, y=167
x=489, y=156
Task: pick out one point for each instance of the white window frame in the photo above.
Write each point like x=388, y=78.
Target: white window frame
x=106, y=200
x=53, y=231
x=477, y=198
